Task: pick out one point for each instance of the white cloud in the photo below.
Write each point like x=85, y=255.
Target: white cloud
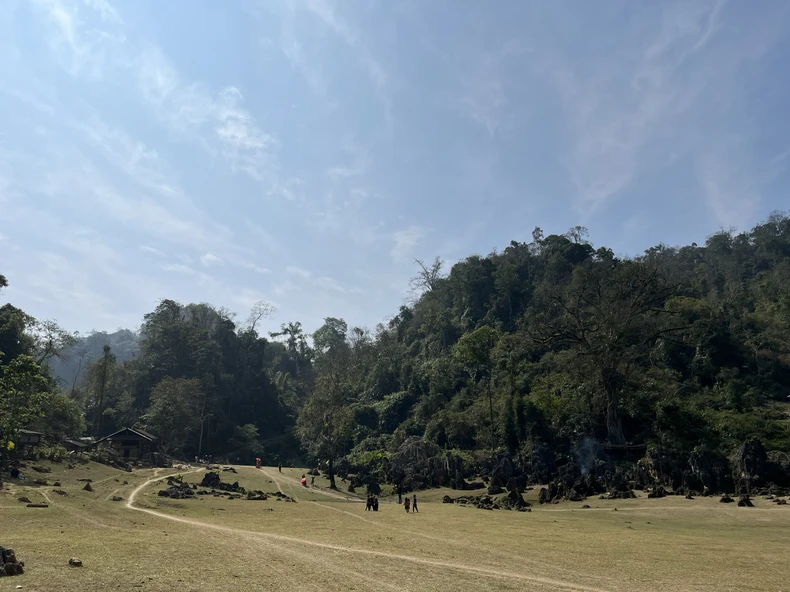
x=108, y=13
x=406, y=241
x=298, y=271
x=151, y=250
x=327, y=283
x=616, y=107
x=255, y=268
x=79, y=47
x=209, y=259
x=179, y=268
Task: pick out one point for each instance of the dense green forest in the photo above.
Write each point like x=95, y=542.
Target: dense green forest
x=534, y=353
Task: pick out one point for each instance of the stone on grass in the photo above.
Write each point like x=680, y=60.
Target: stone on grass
x=88, y=487
x=74, y=562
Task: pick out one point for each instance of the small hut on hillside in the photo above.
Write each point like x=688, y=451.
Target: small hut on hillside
x=130, y=444
x=29, y=438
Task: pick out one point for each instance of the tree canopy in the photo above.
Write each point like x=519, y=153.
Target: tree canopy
x=542, y=344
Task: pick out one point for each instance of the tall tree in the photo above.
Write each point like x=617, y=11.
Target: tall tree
x=174, y=413
x=101, y=373
x=610, y=315
x=24, y=396
x=474, y=351
x=325, y=422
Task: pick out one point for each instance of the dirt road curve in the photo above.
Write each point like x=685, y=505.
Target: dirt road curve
x=306, y=554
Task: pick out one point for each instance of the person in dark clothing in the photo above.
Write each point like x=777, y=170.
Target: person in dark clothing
x=400, y=494
x=406, y=504
x=375, y=504
x=414, y=503
x=368, y=504
x=280, y=467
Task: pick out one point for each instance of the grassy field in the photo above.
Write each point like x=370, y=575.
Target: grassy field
x=326, y=540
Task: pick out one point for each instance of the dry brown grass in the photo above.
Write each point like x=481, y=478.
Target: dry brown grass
x=326, y=542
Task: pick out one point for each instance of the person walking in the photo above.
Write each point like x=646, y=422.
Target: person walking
x=406, y=504
x=280, y=467
x=400, y=494
x=312, y=480
x=414, y=503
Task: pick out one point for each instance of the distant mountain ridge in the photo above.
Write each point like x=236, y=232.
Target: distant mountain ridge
x=125, y=345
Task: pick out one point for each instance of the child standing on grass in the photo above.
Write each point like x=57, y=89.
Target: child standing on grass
x=406, y=503
x=413, y=503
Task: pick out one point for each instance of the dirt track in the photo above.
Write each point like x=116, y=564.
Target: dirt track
x=305, y=548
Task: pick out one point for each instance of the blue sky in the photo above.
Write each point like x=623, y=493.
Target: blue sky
x=304, y=153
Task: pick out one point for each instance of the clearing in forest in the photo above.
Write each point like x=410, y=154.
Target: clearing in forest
x=326, y=541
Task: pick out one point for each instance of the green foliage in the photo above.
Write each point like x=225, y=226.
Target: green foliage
x=54, y=453
x=24, y=396
x=246, y=442
x=174, y=411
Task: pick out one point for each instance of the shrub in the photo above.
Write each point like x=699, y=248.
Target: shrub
x=54, y=453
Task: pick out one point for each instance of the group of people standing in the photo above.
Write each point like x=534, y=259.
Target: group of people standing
x=372, y=503
x=407, y=503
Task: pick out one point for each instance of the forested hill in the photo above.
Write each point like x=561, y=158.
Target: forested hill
x=69, y=367
x=540, y=346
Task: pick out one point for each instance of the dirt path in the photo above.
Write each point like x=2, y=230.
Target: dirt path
x=295, y=482
x=264, y=536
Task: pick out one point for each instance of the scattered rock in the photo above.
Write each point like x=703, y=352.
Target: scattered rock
x=9, y=565
x=117, y=498
x=689, y=496
x=726, y=499
x=658, y=491
x=37, y=506
x=40, y=469
x=74, y=562
x=447, y=500
x=60, y=492
x=86, y=480
x=745, y=502
x=87, y=487
x=513, y=501
x=585, y=507
x=56, y=484
x=351, y=488
x=181, y=491
x=212, y=480
x=780, y=502
x=494, y=488
x=229, y=470
x=24, y=499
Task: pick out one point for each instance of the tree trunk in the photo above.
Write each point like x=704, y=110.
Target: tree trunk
x=491, y=410
x=614, y=426
x=200, y=441
x=100, y=410
x=332, y=484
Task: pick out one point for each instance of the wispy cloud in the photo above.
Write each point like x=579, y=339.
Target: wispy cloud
x=79, y=47
x=608, y=135
x=209, y=259
x=298, y=271
x=151, y=251
x=406, y=241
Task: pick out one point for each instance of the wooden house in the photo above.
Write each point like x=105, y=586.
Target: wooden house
x=130, y=444
x=29, y=438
